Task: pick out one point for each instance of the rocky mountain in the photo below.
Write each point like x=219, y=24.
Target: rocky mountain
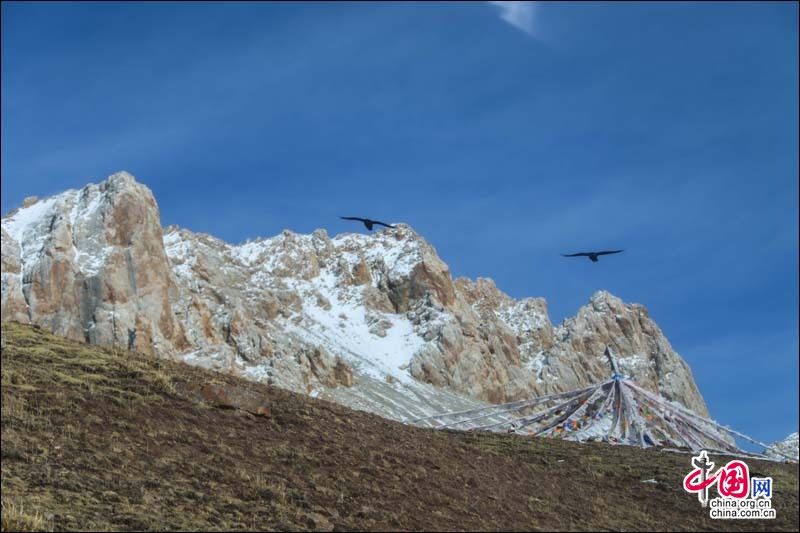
x=374, y=321
x=786, y=448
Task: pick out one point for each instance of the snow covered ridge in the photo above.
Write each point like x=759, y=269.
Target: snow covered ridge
x=372, y=320
x=790, y=446
x=315, y=271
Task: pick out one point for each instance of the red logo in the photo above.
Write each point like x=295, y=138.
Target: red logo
x=733, y=479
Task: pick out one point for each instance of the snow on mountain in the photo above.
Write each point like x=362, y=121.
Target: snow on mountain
x=790, y=446
x=373, y=320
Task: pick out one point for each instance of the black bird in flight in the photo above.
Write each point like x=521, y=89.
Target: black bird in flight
x=368, y=223
x=593, y=255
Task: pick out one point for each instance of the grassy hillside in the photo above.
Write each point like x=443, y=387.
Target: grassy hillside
x=97, y=439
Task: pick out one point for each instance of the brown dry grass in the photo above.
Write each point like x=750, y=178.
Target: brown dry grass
x=98, y=439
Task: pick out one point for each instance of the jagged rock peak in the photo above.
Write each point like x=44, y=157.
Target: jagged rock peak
x=788, y=448
x=120, y=178
x=92, y=266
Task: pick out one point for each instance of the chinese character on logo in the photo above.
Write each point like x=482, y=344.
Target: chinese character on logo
x=762, y=486
x=732, y=480
x=702, y=469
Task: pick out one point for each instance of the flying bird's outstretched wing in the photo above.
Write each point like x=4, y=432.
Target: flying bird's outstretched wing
x=575, y=255
x=355, y=218
x=609, y=252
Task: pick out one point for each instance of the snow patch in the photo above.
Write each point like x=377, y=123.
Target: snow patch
x=351, y=337
x=27, y=219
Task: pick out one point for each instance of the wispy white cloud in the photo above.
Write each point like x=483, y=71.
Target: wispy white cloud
x=518, y=14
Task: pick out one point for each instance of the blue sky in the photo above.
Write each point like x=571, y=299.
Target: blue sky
x=505, y=138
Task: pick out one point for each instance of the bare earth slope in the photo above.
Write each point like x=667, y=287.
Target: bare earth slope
x=95, y=438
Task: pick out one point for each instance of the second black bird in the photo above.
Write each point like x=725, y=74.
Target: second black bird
x=368, y=223
x=592, y=255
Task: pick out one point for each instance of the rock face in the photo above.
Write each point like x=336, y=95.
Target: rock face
x=374, y=321
x=90, y=265
x=786, y=448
